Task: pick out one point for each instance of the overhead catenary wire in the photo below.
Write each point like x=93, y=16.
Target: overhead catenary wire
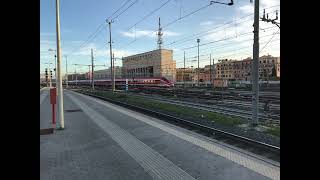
x=244, y=48
x=218, y=26
x=172, y=22
x=246, y=40
x=235, y=49
x=94, y=35
x=232, y=37
x=126, y=2
x=97, y=30
x=125, y=10
x=268, y=41
x=236, y=35
x=131, y=42
x=148, y=15
x=192, y=59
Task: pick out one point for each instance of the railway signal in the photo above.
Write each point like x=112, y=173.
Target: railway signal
x=46, y=75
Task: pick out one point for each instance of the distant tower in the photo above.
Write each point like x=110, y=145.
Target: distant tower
x=159, y=35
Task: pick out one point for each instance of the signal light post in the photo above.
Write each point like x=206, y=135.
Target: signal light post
x=50, y=78
x=46, y=76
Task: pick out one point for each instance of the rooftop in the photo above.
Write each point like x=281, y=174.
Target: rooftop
x=148, y=52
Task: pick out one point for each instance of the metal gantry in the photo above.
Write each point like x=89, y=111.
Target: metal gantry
x=273, y=21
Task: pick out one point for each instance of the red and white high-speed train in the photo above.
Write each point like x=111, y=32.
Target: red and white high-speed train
x=160, y=82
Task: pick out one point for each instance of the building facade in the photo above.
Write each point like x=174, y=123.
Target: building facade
x=184, y=74
x=157, y=63
x=269, y=69
x=99, y=74
x=225, y=69
x=191, y=74
x=106, y=73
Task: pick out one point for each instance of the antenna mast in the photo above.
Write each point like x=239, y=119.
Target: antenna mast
x=159, y=35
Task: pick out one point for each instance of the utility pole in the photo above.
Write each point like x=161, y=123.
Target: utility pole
x=111, y=75
x=114, y=74
x=255, y=66
x=66, y=72
x=184, y=68
x=92, y=70
x=198, y=41
x=59, y=79
x=210, y=70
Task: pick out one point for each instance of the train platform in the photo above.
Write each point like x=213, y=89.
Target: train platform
x=45, y=118
x=105, y=141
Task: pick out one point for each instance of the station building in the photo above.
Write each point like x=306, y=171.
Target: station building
x=156, y=63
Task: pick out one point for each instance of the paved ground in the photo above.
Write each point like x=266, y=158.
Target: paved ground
x=105, y=141
x=45, y=115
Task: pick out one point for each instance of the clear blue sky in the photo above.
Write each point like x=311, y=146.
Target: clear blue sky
x=81, y=18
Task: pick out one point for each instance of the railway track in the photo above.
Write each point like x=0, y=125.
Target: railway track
x=228, y=107
x=220, y=99
x=275, y=109
x=274, y=119
x=213, y=95
x=257, y=147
